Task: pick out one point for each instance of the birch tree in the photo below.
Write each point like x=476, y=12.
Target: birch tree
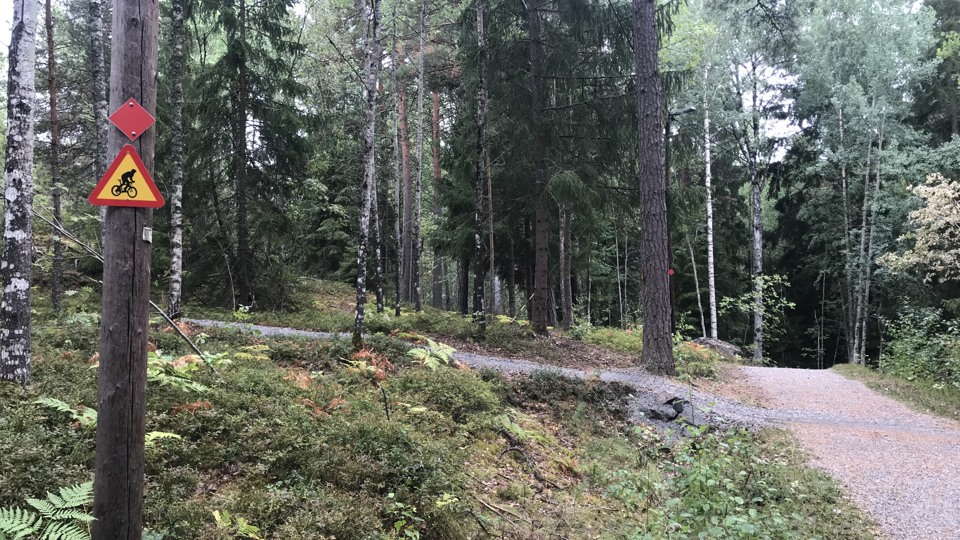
x=176, y=159
x=99, y=98
x=371, y=73
x=56, y=274
x=15, y=263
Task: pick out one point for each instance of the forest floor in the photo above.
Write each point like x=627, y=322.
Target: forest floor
x=890, y=459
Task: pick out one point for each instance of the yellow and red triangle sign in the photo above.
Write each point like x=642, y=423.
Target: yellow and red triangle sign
x=127, y=183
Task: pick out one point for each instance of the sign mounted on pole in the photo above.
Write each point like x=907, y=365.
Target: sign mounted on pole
x=132, y=119
x=127, y=183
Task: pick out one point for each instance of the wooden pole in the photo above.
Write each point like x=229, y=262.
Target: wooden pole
x=118, y=487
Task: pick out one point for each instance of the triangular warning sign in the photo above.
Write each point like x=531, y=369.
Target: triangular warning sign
x=127, y=183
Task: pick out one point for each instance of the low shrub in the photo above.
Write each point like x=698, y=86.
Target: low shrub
x=922, y=347
x=696, y=361
x=629, y=341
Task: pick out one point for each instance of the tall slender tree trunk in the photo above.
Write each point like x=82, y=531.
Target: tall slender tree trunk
x=708, y=183
x=868, y=267
x=56, y=291
x=100, y=123
x=657, y=352
x=566, y=262
x=376, y=237
x=397, y=189
x=492, y=307
x=540, y=300
x=479, y=315
x=438, y=276
x=512, y=283
x=862, y=261
x=421, y=82
x=696, y=285
x=371, y=71
x=406, y=289
x=616, y=250
x=176, y=160
x=463, y=285
x=848, y=285
x=15, y=264
x=240, y=97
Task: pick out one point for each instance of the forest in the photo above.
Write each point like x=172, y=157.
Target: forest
x=809, y=159
x=778, y=177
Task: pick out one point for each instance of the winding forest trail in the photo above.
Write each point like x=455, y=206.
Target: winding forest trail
x=899, y=465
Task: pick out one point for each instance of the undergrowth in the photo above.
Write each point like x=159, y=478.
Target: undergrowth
x=305, y=440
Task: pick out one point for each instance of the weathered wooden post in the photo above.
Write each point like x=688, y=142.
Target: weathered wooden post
x=118, y=487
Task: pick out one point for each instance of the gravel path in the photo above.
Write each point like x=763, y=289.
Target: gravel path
x=899, y=465
x=713, y=409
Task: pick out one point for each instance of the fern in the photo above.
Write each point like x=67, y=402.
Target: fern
x=86, y=417
x=433, y=355
x=154, y=436
x=58, y=517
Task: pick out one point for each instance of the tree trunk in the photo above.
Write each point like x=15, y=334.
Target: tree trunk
x=371, y=71
x=438, y=277
x=176, y=160
x=868, y=267
x=239, y=98
x=421, y=82
x=124, y=319
x=616, y=250
x=397, y=190
x=406, y=288
x=15, y=265
x=376, y=236
x=512, y=284
x=847, y=254
x=56, y=288
x=489, y=218
x=478, y=217
x=657, y=353
x=540, y=317
x=463, y=285
x=707, y=180
x=862, y=261
x=696, y=285
x=566, y=261
x=100, y=122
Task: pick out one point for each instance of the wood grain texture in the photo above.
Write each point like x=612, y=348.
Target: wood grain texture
x=118, y=487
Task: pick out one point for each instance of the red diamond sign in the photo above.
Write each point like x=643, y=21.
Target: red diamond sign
x=132, y=119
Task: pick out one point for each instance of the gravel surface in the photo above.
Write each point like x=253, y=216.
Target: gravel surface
x=899, y=465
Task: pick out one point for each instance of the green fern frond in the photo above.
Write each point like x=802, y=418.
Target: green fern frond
x=77, y=495
x=64, y=531
x=55, y=403
x=17, y=523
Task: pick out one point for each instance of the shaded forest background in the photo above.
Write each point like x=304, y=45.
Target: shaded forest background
x=834, y=123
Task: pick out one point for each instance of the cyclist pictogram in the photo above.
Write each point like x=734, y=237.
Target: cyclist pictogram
x=125, y=185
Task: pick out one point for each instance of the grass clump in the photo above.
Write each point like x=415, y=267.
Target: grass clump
x=920, y=394
x=696, y=361
x=628, y=341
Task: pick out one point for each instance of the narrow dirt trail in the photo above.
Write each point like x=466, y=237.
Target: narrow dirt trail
x=899, y=465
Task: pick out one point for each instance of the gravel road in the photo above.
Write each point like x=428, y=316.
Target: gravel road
x=897, y=464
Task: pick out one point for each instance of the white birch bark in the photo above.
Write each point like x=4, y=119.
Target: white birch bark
x=15, y=263
x=176, y=161
x=418, y=187
x=371, y=71
x=708, y=181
